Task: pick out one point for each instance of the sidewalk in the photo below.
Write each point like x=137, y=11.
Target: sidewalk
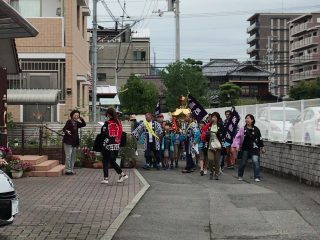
x=70, y=207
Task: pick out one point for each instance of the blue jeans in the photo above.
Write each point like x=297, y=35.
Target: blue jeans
x=243, y=163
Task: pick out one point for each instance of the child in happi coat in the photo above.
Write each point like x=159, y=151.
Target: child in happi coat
x=167, y=146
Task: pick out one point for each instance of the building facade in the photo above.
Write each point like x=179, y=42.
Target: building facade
x=304, y=48
x=269, y=47
x=121, y=54
x=55, y=65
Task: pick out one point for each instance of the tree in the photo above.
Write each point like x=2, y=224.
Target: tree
x=138, y=96
x=306, y=90
x=181, y=78
x=229, y=94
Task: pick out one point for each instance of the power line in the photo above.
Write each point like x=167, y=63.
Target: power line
x=234, y=13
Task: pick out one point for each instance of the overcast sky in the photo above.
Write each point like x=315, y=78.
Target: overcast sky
x=209, y=28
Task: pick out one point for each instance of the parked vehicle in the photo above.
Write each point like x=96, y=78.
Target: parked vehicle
x=9, y=202
x=306, y=130
x=275, y=122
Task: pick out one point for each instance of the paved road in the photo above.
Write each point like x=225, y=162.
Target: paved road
x=69, y=207
x=188, y=206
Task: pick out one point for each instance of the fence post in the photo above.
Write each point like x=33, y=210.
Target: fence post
x=22, y=143
x=62, y=154
x=40, y=140
x=302, y=119
x=284, y=122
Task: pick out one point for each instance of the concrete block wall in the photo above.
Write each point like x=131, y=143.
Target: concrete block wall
x=299, y=161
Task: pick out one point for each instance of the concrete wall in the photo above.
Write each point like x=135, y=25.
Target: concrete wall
x=299, y=161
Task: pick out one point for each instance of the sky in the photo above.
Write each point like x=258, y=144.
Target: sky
x=209, y=28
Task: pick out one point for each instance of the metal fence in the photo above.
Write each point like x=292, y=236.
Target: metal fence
x=293, y=121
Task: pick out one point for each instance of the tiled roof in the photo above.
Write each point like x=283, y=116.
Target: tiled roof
x=219, y=67
x=231, y=67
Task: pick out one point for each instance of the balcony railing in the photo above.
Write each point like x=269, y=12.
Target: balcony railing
x=252, y=38
x=310, y=74
x=304, y=59
x=305, y=43
x=251, y=49
x=252, y=27
x=300, y=28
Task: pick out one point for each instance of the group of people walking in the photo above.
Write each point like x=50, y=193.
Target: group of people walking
x=203, y=144
x=166, y=142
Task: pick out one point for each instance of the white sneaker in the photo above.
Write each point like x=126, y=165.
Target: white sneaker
x=122, y=178
x=205, y=172
x=240, y=179
x=104, y=181
x=257, y=179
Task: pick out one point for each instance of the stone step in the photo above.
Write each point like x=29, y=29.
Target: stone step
x=33, y=159
x=46, y=165
x=56, y=171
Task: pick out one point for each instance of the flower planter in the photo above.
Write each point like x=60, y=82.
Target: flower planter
x=98, y=165
x=87, y=164
x=16, y=174
x=27, y=174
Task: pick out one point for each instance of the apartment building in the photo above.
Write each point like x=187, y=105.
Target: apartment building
x=304, y=48
x=55, y=64
x=122, y=53
x=269, y=47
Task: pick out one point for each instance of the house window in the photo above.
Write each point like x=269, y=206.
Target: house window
x=84, y=30
x=315, y=33
x=78, y=16
x=245, y=91
x=78, y=94
x=315, y=67
x=27, y=8
x=139, y=55
x=253, y=91
x=102, y=76
x=315, y=50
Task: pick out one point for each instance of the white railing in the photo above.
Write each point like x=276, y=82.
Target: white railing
x=251, y=27
x=294, y=121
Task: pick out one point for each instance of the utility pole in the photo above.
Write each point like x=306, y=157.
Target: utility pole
x=94, y=61
x=154, y=62
x=177, y=16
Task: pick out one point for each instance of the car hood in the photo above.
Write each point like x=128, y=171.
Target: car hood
x=6, y=185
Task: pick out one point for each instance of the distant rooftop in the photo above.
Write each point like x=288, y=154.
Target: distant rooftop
x=273, y=14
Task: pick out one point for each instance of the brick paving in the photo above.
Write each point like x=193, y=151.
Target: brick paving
x=70, y=207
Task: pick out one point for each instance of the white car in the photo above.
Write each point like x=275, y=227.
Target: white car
x=9, y=202
x=274, y=122
x=306, y=130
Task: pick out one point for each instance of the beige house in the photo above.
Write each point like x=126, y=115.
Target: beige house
x=55, y=65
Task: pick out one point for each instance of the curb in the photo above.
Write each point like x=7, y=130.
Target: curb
x=115, y=225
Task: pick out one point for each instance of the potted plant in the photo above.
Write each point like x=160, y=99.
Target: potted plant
x=15, y=167
x=127, y=153
x=87, y=157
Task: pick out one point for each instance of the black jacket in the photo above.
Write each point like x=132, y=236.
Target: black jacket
x=72, y=139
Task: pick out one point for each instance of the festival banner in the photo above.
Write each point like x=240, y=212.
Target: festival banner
x=197, y=110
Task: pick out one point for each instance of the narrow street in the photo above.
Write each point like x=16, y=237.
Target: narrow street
x=188, y=206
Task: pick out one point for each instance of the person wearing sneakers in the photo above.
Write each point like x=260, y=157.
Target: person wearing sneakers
x=112, y=132
x=71, y=139
x=250, y=141
x=212, y=133
x=203, y=151
x=150, y=131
